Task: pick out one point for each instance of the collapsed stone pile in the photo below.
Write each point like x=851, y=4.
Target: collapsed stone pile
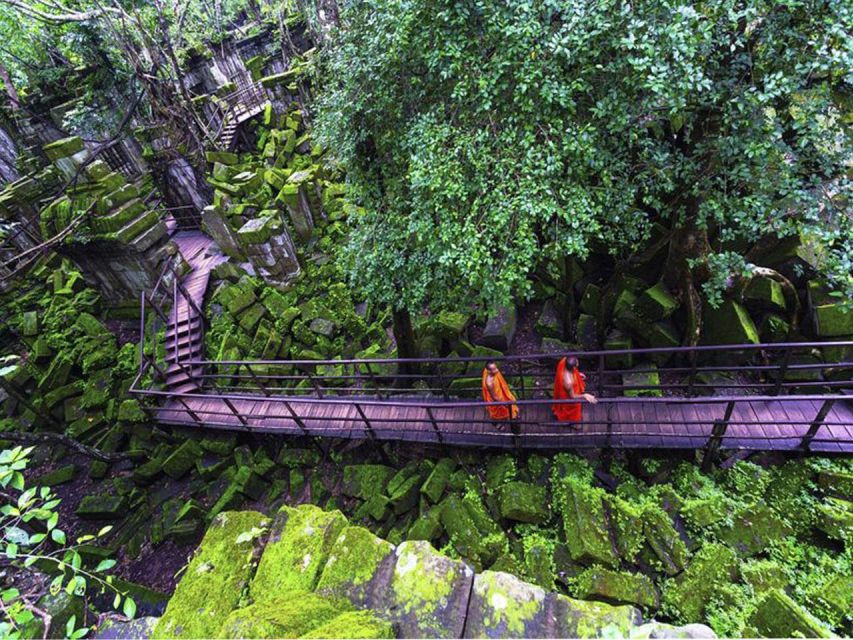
x=309, y=573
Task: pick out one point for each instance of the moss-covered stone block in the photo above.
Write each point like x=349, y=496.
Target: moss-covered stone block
x=435, y=484
x=503, y=606
x=63, y=148
x=836, y=518
x=656, y=303
x=583, y=619
x=500, y=329
x=730, y=323
x=590, y=302
x=58, y=476
x=131, y=411
x=428, y=592
x=355, y=568
x=249, y=318
x=713, y=568
x=523, y=502
x=287, y=615
x=30, y=324
x=213, y=584
x=224, y=157
x=664, y=540
x=637, y=382
x=617, y=341
x=584, y=524
x=778, y=616
x=619, y=587
x=753, y=528
x=549, y=324
x=298, y=549
x=182, y=459
x=427, y=526
x=102, y=507
x=832, y=320
x=765, y=293
x=837, y=482
x=354, y=624
x=405, y=496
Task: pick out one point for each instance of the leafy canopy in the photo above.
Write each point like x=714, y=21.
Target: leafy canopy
x=485, y=137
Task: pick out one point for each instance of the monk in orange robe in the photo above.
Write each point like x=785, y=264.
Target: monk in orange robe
x=495, y=389
x=570, y=383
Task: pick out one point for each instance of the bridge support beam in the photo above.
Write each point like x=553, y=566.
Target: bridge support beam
x=716, y=439
x=806, y=442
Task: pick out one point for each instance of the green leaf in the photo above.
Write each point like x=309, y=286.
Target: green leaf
x=58, y=536
x=129, y=608
x=69, y=626
x=17, y=535
x=105, y=530
x=106, y=564
x=117, y=601
x=56, y=585
x=12, y=551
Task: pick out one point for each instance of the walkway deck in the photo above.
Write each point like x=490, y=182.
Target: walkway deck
x=769, y=424
x=789, y=417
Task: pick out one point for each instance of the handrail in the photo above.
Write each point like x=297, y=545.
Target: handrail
x=777, y=346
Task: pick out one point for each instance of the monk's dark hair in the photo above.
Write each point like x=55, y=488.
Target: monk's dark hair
x=572, y=361
x=488, y=362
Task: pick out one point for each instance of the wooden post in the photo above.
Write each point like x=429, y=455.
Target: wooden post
x=316, y=386
x=806, y=442
x=716, y=439
x=142, y=334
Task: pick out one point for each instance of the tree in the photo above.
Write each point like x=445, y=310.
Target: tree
x=484, y=138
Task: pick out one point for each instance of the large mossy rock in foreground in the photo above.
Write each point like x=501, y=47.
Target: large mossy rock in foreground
x=318, y=577
x=215, y=579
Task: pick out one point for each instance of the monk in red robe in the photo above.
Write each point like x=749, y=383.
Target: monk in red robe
x=570, y=383
x=495, y=389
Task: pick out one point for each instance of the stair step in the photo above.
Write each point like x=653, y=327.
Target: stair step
x=182, y=331
x=174, y=368
x=188, y=387
x=186, y=353
x=179, y=378
x=183, y=322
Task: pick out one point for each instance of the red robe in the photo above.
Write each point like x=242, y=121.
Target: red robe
x=502, y=394
x=569, y=412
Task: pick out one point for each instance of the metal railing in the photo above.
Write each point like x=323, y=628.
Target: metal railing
x=244, y=100
x=771, y=368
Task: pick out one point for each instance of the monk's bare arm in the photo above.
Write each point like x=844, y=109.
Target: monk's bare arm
x=569, y=383
x=490, y=385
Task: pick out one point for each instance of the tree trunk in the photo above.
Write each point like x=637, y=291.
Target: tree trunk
x=404, y=336
x=688, y=242
x=14, y=99
x=569, y=311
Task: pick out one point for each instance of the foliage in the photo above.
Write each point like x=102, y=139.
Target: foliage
x=32, y=540
x=483, y=138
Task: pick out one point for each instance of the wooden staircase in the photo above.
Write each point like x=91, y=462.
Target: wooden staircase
x=243, y=104
x=184, y=337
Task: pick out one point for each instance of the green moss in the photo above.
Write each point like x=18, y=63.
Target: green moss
x=214, y=581
x=778, y=616
x=523, y=502
x=584, y=523
x=424, y=584
x=287, y=615
x=508, y=605
x=619, y=587
x=355, y=624
x=366, y=480
x=664, y=539
x=685, y=597
x=353, y=561
x=299, y=546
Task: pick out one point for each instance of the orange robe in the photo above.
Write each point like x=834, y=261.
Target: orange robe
x=503, y=394
x=568, y=412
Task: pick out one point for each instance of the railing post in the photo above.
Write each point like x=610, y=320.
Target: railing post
x=600, y=375
x=521, y=382
x=435, y=425
x=231, y=406
x=314, y=383
x=256, y=379
x=783, y=369
x=716, y=439
x=175, y=313
x=372, y=377
x=370, y=432
x=691, y=380
x=806, y=442
x=296, y=418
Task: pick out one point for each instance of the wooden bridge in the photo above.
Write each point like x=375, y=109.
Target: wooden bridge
x=788, y=396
